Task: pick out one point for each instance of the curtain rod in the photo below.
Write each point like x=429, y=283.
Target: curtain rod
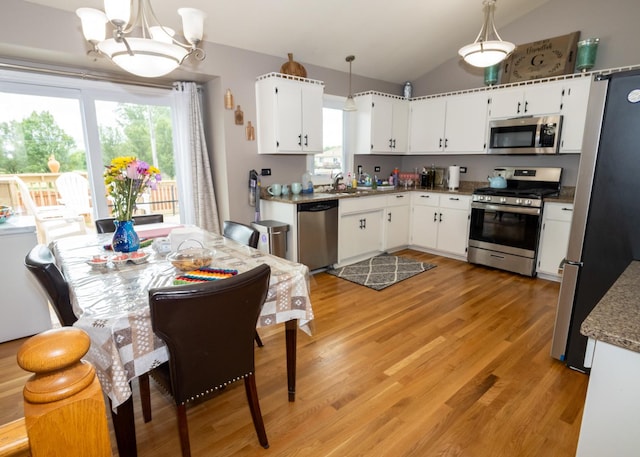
x=83, y=75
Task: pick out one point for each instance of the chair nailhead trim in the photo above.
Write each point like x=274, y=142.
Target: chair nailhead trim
x=219, y=387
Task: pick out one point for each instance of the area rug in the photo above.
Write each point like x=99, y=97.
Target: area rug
x=381, y=271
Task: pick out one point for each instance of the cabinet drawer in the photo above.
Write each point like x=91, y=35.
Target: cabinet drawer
x=425, y=199
x=558, y=211
x=455, y=201
x=398, y=199
x=360, y=204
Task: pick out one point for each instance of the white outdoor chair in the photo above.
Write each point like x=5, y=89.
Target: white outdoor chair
x=74, y=192
x=52, y=222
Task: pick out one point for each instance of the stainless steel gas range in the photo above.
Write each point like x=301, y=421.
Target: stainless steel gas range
x=505, y=222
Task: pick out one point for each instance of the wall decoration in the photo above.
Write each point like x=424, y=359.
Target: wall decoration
x=239, y=116
x=250, y=132
x=293, y=68
x=228, y=99
x=541, y=59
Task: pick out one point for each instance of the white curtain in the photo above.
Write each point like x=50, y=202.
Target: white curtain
x=198, y=202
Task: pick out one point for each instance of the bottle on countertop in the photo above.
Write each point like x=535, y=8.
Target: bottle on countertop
x=374, y=182
x=396, y=177
x=307, y=183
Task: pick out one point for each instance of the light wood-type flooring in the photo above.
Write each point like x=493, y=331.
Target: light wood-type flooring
x=452, y=362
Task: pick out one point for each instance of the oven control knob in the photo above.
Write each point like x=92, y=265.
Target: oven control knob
x=527, y=202
x=488, y=198
x=518, y=201
x=503, y=199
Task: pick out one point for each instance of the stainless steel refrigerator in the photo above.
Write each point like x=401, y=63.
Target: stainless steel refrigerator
x=605, y=230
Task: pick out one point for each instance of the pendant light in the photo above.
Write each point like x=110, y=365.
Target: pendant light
x=350, y=104
x=488, y=49
x=155, y=52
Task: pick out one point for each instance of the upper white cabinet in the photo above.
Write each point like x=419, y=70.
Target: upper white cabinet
x=527, y=100
x=452, y=124
x=382, y=123
x=575, y=95
x=289, y=113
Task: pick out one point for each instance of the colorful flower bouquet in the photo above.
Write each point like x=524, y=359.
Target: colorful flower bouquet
x=126, y=179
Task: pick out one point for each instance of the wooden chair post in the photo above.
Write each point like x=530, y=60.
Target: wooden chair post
x=64, y=408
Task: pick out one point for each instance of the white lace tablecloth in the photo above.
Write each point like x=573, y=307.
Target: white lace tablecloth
x=112, y=305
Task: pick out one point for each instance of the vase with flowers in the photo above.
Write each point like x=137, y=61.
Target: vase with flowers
x=126, y=179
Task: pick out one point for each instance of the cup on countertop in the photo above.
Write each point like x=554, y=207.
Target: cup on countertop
x=296, y=188
x=274, y=189
x=285, y=190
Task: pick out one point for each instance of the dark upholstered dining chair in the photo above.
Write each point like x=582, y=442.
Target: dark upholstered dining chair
x=209, y=330
x=106, y=225
x=41, y=263
x=241, y=233
x=248, y=236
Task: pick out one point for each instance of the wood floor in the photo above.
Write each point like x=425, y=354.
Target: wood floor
x=452, y=362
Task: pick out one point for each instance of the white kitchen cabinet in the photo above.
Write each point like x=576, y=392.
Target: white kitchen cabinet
x=289, y=115
x=575, y=95
x=360, y=229
x=451, y=124
x=440, y=222
x=382, y=124
x=554, y=239
x=396, y=221
x=528, y=100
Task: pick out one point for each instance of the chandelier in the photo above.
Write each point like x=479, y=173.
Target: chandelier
x=488, y=49
x=155, y=51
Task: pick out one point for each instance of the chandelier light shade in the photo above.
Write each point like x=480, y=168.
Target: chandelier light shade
x=350, y=104
x=488, y=49
x=155, y=51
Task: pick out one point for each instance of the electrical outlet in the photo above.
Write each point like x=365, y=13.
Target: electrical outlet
x=376, y=169
x=266, y=172
x=463, y=169
x=359, y=170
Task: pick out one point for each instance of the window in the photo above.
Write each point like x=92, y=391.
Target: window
x=80, y=126
x=332, y=159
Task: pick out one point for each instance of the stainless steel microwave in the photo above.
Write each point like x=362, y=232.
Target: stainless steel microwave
x=525, y=135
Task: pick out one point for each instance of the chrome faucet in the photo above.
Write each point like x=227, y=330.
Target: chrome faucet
x=336, y=180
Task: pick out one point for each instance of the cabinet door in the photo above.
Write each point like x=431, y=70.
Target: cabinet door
x=575, y=95
x=289, y=117
x=554, y=239
x=397, y=226
x=453, y=230
x=381, y=124
x=466, y=123
x=360, y=233
x=506, y=102
x=400, y=126
x=424, y=226
x=544, y=98
x=312, y=118
x=426, y=126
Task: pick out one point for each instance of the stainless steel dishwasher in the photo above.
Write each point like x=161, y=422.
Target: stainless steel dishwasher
x=318, y=233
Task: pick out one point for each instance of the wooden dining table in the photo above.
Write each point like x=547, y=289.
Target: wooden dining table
x=112, y=307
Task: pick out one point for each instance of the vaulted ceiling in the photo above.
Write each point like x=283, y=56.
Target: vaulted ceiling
x=393, y=41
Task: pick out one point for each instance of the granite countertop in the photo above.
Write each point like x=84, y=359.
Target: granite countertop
x=616, y=318
x=466, y=188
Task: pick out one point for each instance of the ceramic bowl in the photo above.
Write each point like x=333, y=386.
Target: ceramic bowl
x=98, y=262
x=138, y=257
x=119, y=260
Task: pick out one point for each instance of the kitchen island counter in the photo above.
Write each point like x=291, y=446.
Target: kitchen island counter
x=616, y=318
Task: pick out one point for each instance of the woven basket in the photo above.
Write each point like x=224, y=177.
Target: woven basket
x=293, y=68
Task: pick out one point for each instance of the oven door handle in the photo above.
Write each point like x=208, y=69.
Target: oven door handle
x=506, y=208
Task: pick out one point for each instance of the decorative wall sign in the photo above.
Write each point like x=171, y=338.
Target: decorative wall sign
x=541, y=59
x=239, y=115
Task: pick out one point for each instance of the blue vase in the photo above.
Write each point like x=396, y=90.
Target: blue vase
x=125, y=238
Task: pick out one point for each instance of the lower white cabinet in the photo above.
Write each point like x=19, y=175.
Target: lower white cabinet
x=554, y=239
x=396, y=221
x=360, y=229
x=440, y=222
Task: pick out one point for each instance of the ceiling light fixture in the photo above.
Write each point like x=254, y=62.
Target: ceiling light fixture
x=350, y=104
x=152, y=54
x=488, y=49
